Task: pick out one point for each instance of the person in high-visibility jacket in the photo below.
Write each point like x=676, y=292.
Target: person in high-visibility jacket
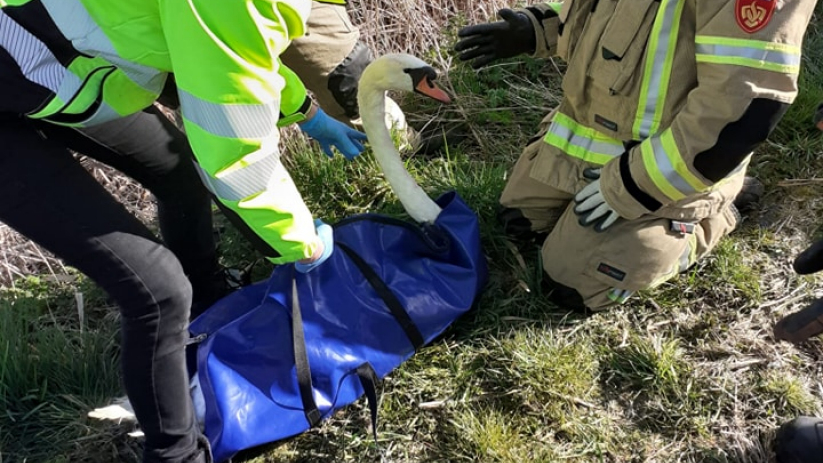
x=83, y=75
x=634, y=175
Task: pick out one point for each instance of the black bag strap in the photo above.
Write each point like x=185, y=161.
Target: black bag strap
x=368, y=379
x=388, y=297
x=301, y=359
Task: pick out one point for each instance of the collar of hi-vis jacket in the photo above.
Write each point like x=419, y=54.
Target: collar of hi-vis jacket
x=658, y=148
x=48, y=40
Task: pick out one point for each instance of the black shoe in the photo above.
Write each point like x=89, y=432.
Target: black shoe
x=517, y=227
x=563, y=296
x=800, y=326
x=749, y=195
x=800, y=441
x=810, y=260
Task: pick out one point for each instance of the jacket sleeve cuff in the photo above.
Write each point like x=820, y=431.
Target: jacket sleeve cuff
x=621, y=191
x=544, y=20
x=296, y=116
x=303, y=251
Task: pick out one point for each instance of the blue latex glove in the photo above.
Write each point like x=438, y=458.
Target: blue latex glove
x=329, y=132
x=326, y=234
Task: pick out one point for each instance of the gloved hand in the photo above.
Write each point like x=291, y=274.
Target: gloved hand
x=326, y=235
x=591, y=206
x=492, y=41
x=810, y=260
x=329, y=132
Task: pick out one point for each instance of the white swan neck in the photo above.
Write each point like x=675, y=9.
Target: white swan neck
x=417, y=203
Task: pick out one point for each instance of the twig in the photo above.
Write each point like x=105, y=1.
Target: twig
x=573, y=400
x=800, y=182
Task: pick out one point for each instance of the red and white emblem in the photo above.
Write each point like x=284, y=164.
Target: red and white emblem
x=753, y=15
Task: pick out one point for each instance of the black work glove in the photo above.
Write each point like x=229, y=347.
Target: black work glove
x=810, y=260
x=488, y=42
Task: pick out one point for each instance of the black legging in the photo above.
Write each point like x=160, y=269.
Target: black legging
x=46, y=195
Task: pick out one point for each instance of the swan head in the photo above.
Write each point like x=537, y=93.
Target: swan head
x=399, y=71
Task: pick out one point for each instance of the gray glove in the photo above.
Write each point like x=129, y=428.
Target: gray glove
x=590, y=205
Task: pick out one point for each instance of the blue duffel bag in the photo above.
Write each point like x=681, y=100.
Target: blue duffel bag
x=279, y=356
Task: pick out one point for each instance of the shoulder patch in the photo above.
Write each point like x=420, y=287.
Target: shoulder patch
x=753, y=15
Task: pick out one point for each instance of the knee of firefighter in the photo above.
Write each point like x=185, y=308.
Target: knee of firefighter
x=607, y=268
x=540, y=201
x=712, y=229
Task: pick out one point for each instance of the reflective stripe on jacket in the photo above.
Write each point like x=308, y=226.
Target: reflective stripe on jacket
x=94, y=60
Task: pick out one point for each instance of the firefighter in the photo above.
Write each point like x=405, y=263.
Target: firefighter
x=634, y=176
x=83, y=75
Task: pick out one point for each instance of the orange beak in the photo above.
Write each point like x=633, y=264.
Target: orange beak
x=428, y=88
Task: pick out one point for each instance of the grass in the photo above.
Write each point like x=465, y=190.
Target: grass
x=687, y=372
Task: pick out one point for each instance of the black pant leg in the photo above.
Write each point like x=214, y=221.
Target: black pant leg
x=150, y=149
x=48, y=197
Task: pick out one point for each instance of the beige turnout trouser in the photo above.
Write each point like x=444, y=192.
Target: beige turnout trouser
x=606, y=268
x=330, y=38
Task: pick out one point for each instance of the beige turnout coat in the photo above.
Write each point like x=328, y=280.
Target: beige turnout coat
x=669, y=97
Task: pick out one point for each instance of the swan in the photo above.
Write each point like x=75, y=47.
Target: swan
x=397, y=71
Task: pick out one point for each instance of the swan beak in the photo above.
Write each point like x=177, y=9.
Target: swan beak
x=428, y=88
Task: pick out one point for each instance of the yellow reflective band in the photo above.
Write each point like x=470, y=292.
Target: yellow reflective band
x=746, y=43
x=246, y=121
x=242, y=180
x=749, y=63
x=52, y=107
x=582, y=142
x=667, y=169
x=680, y=168
x=647, y=151
x=658, y=68
x=80, y=88
x=755, y=54
x=618, y=295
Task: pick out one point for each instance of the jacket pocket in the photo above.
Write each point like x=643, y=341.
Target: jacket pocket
x=573, y=16
x=617, y=60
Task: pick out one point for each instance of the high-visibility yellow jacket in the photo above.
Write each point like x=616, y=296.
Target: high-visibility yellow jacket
x=90, y=61
x=669, y=96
